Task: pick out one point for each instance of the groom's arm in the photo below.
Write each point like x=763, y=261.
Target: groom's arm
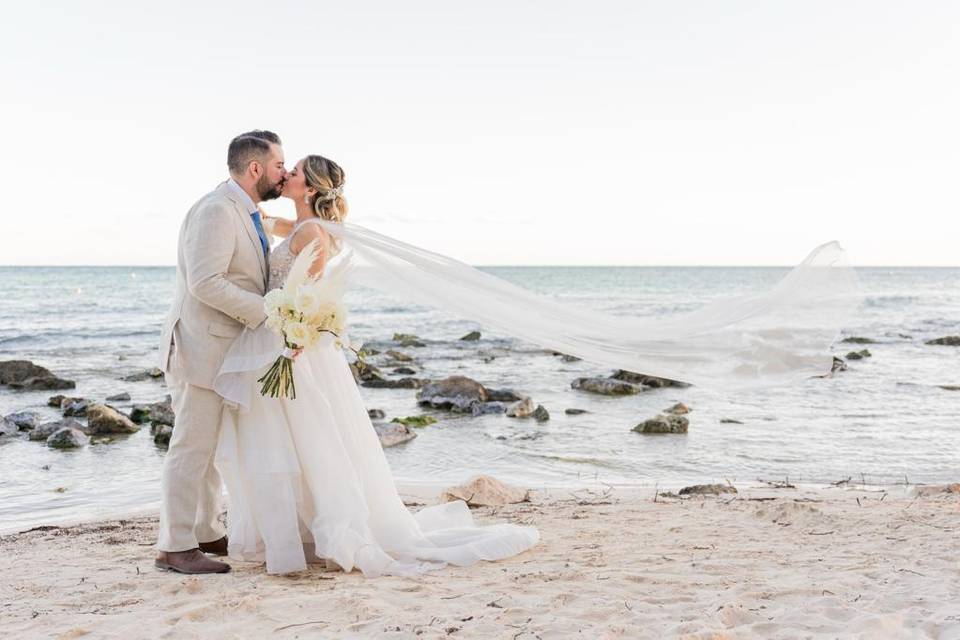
x=208, y=249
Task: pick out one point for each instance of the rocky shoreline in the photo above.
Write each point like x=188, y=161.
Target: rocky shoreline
x=385, y=365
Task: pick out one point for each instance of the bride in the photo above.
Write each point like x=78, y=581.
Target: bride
x=307, y=478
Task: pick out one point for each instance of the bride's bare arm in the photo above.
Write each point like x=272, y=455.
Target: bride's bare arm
x=279, y=227
x=304, y=236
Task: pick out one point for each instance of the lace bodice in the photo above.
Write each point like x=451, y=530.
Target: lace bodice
x=281, y=259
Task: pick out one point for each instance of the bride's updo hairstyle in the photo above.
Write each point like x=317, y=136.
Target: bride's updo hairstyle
x=326, y=176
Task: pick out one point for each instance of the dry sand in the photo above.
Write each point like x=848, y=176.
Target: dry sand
x=767, y=563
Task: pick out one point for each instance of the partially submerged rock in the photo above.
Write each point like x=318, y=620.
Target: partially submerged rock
x=859, y=355
x=456, y=393
x=376, y=414
x=401, y=383
x=23, y=374
x=408, y=340
x=161, y=434
x=74, y=407
x=404, y=371
x=707, y=490
x=607, y=386
x=25, y=420
x=946, y=341
x=504, y=395
x=663, y=423
x=393, y=433
x=399, y=356
x=67, y=438
x=104, y=419
x=645, y=380
x=858, y=340
x=485, y=491
x=678, y=409
x=487, y=408
x=150, y=374
x=520, y=408
x=473, y=336
x=8, y=428
x=575, y=412
x=540, y=414
x=44, y=431
x=155, y=412
x=120, y=397
x=415, y=421
x=729, y=421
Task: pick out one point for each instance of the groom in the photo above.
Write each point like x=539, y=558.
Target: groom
x=221, y=279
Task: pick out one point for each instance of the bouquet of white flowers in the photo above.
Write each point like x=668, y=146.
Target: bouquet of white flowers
x=305, y=311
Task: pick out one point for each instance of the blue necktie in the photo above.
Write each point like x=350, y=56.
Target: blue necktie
x=255, y=216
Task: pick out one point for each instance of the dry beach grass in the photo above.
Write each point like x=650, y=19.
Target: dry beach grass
x=768, y=563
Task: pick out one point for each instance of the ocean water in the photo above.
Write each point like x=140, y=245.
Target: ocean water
x=886, y=420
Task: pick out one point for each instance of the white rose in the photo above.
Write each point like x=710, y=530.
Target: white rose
x=273, y=300
x=307, y=300
x=298, y=334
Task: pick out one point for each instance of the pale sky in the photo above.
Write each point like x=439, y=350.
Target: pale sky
x=628, y=133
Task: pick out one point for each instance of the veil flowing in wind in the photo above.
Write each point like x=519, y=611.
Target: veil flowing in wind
x=761, y=339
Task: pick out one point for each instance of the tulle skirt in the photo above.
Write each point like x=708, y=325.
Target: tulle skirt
x=309, y=477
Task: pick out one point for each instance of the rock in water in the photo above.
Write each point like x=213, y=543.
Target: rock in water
x=74, y=407
x=606, y=386
x=8, y=428
x=859, y=355
x=707, y=490
x=46, y=430
x=645, y=380
x=487, y=408
x=161, y=434
x=404, y=371
x=520, y=409
x=473, y=336
x=393, y=433
x=663, y=424
x=415, y=421
x=25, y=420
x=399, y=356
x=120, y=397
x=575, y=412
x=504, y=395
x=485, y=491
x=540, y=414
x=23, y=374
x=103, y=419
x=156, y=413
x=858, y=340
x=376, y=414
x=402, y=383
x=408, y=340
x=947, y=341
x=67, y=438
x=729, y=421
x=456, y=393
x=678, y=409
x=150, y=374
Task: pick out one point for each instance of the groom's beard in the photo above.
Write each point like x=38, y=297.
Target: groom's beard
x=268, y=191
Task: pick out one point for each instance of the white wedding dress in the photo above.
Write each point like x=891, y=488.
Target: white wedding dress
x=310, y=472
x=308, y=477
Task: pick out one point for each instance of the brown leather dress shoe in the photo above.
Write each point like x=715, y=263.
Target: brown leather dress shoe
x=217, y=547
x=192, y=561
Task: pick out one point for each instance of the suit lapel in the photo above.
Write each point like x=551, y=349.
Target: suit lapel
x=251, y=230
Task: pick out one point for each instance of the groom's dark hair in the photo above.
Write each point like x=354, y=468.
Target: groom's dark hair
x=247, y=147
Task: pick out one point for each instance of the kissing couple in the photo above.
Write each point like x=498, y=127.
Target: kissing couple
x=307, y=477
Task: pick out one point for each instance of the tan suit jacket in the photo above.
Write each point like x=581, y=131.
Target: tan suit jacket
x=221, y=279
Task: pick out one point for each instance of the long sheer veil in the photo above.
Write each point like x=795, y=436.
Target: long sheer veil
x=761, y=339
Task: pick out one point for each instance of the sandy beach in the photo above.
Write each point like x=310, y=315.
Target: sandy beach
x=765, y=562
